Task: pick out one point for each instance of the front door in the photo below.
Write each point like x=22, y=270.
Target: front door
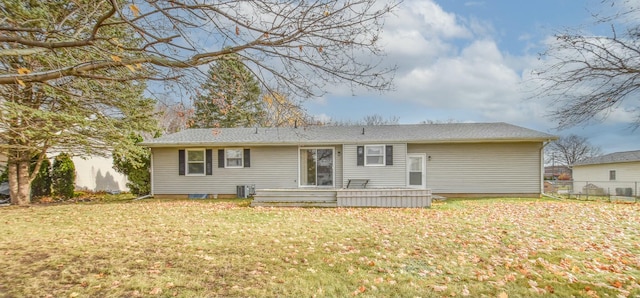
x=417, y=170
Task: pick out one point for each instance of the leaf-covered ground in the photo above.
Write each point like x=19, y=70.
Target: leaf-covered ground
x=493, y=248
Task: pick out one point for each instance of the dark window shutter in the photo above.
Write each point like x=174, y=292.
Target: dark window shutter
x=360, y=153
x=247, y=158
x=181, y=163
x=220, y=158
x=209, y=161
x=388, y=155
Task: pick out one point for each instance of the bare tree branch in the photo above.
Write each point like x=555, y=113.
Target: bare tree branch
x=588, y=77
x=571, y=149
x=294, y=44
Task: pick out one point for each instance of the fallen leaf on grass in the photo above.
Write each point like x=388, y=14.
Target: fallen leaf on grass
x=549, y=289
x=361, y=289
x=439, y=288
x=465, y=291
x=155, y=291
x=616, y=284
x=503, y=295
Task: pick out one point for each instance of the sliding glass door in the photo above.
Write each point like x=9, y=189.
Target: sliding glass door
x=316, y=167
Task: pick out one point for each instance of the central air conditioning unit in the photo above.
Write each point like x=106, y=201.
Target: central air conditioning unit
x=245, y=191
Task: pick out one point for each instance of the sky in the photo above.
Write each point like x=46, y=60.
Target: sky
x=467, y=61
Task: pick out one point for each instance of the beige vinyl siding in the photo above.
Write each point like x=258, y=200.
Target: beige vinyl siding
x=627, y=174
x=490, y=168
x=379, y=176
x=271, y=167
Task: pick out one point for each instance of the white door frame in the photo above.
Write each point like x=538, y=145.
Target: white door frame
x=333, y=166
x=424, y=169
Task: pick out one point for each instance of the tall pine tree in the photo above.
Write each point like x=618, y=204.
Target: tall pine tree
x=229, y=98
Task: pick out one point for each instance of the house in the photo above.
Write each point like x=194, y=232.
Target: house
x=96, y=173
x=3, y=161
x=612, y=174
x=321, y=162
x=557, y=172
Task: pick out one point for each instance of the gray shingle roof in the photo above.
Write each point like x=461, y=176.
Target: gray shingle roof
x=413, y=133
x=626, y=156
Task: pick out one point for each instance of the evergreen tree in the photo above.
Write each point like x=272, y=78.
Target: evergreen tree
x=63, y=176
x=135, y=163
x=4, y=175
x=74, y=71
x=230, y=97
x=41, y=185
x=79, y=115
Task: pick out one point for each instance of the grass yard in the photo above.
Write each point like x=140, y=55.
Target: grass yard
x=493, y=248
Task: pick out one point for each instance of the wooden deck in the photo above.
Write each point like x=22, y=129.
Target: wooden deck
x=316, y=197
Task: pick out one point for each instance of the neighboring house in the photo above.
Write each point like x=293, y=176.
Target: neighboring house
x=96, y=173
x=554, y=172
x=612, y=174
x=461, y=159
x=89, y=172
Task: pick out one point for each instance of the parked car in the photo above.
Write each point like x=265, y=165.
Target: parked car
x=4, y=193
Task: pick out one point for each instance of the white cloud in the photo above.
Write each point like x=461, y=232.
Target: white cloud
x=430, y=19
x=478, y=78
x=451, y=67
x=447, y=62
x=323, y=118
x=452, y=64
x=619, y=115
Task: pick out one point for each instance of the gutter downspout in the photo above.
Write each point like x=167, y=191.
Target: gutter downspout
x=151, y=180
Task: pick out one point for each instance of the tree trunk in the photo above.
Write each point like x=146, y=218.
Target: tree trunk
x=19, y=183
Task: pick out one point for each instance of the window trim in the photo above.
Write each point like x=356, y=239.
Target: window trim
x=383, y=154
x=226, y=158
x=333, y=167
x=612, y=175
x=187, y=162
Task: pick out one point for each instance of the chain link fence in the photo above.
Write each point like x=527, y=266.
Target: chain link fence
x=611, y=190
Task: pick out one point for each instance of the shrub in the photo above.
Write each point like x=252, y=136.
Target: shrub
x=134, y=162
x=41, y=185
x=63, y=176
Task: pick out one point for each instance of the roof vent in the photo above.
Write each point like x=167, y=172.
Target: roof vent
x=363, y=130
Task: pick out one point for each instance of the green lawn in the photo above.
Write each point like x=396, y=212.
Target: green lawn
x=497, y=248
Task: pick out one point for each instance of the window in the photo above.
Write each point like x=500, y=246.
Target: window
x=195, y=162
x=374, y=155
x=612, y=175
x=316, y=167
x=233, y=158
